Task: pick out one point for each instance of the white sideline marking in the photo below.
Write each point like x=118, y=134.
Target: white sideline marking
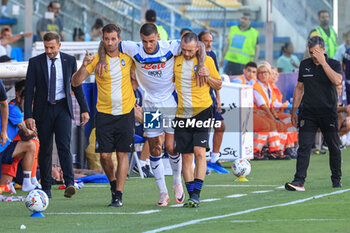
x=96, y=186
x=263, y=191
x=236, y=195
x=244, y=212
x=205, y=200
x=287, y=220
x=239, y=185
x=103, y=213
x=177, y=205
x=210, y=200
x=280, y=187
x=239, y=221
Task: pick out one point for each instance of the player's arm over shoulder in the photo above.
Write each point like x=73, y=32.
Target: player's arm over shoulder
x=209, y=63
x=175, y=47
x=129, y=47
x=214, y=79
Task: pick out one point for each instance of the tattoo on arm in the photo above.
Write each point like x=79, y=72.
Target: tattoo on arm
x=201, y=55
x=22, y=126
x=102, y=52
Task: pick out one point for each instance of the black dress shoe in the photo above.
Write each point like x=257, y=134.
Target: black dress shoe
x=70, y=191
x=337, y=184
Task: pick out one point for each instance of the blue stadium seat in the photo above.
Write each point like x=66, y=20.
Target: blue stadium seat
x=235, y=23
x=275, y=39
x=17, y=54
x=8, y=21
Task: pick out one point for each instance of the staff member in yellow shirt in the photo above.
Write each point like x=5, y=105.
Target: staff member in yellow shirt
x=194, y=116
x=115, y=105
x=242, y=46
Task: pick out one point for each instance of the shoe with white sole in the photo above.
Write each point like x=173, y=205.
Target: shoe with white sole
x=293, y=187
x=163, y=200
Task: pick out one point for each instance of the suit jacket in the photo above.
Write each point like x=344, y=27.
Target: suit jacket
x=36, y=87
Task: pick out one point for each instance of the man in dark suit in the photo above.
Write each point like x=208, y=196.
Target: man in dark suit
x=48, y=83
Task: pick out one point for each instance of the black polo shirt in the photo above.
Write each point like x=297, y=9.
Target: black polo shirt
x=320, y=95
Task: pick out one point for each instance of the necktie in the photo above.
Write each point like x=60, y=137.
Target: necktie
x=52, y=86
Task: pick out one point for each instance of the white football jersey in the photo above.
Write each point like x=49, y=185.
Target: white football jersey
x=154, y=72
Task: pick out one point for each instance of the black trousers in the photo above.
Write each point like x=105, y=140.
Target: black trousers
x=307, y=132
x=56, y=121
x=232, y=68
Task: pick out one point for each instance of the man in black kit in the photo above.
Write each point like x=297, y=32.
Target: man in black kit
x=318, y=78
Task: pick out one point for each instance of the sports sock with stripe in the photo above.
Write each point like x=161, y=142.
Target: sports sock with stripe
x=158, y=171
x=198, y=186
x=190, y=187
x=176, y=166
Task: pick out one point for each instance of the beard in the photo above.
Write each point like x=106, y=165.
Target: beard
x=324, y=23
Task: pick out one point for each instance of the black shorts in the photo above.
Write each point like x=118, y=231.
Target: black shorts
x=186, y=138
x=7, y=153
x=115, y=133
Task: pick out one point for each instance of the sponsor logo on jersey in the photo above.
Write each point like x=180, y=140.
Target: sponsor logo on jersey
x=195, y=68
x=154, y=66
x=122, y=62
x=155, y=73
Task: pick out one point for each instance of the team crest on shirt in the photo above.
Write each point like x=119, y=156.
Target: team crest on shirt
x=122, y=62
x=195, y=68
x=163, y=59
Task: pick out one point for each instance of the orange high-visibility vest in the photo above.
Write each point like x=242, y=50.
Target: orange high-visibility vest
x=257, y=86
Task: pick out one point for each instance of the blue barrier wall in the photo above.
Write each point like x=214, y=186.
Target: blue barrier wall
x=286, y=84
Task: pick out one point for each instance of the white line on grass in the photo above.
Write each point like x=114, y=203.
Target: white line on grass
x=177, y=205
x=96, y=186
x=205, y=200
x=263, y=191
x=239, y=185
x=103, y=213
x=243, y=212
x=287, y=220
x=210, y=200
x=240, y=221
x=236, y=195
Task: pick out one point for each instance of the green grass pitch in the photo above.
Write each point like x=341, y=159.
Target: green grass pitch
x=87, y=211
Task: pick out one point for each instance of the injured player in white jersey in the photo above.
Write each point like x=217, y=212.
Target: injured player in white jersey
x=154, y=63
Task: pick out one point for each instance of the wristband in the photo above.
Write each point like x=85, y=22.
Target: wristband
x=208, y=78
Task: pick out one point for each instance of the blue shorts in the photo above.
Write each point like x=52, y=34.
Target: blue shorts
x=217, y=115
x=139, y=130
x=7, y=153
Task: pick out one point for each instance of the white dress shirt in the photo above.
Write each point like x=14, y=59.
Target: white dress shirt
x=60, y=94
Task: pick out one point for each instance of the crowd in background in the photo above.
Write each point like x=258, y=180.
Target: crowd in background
x=274, y=135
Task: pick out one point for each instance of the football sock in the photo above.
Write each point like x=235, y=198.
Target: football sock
x=214, y=157
x=142, y=163
x=197, y=186
x=35, y=182
x=176, y=166
x=113, y=186
x=27, y=184
x=158, y=171
x=190, y=187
